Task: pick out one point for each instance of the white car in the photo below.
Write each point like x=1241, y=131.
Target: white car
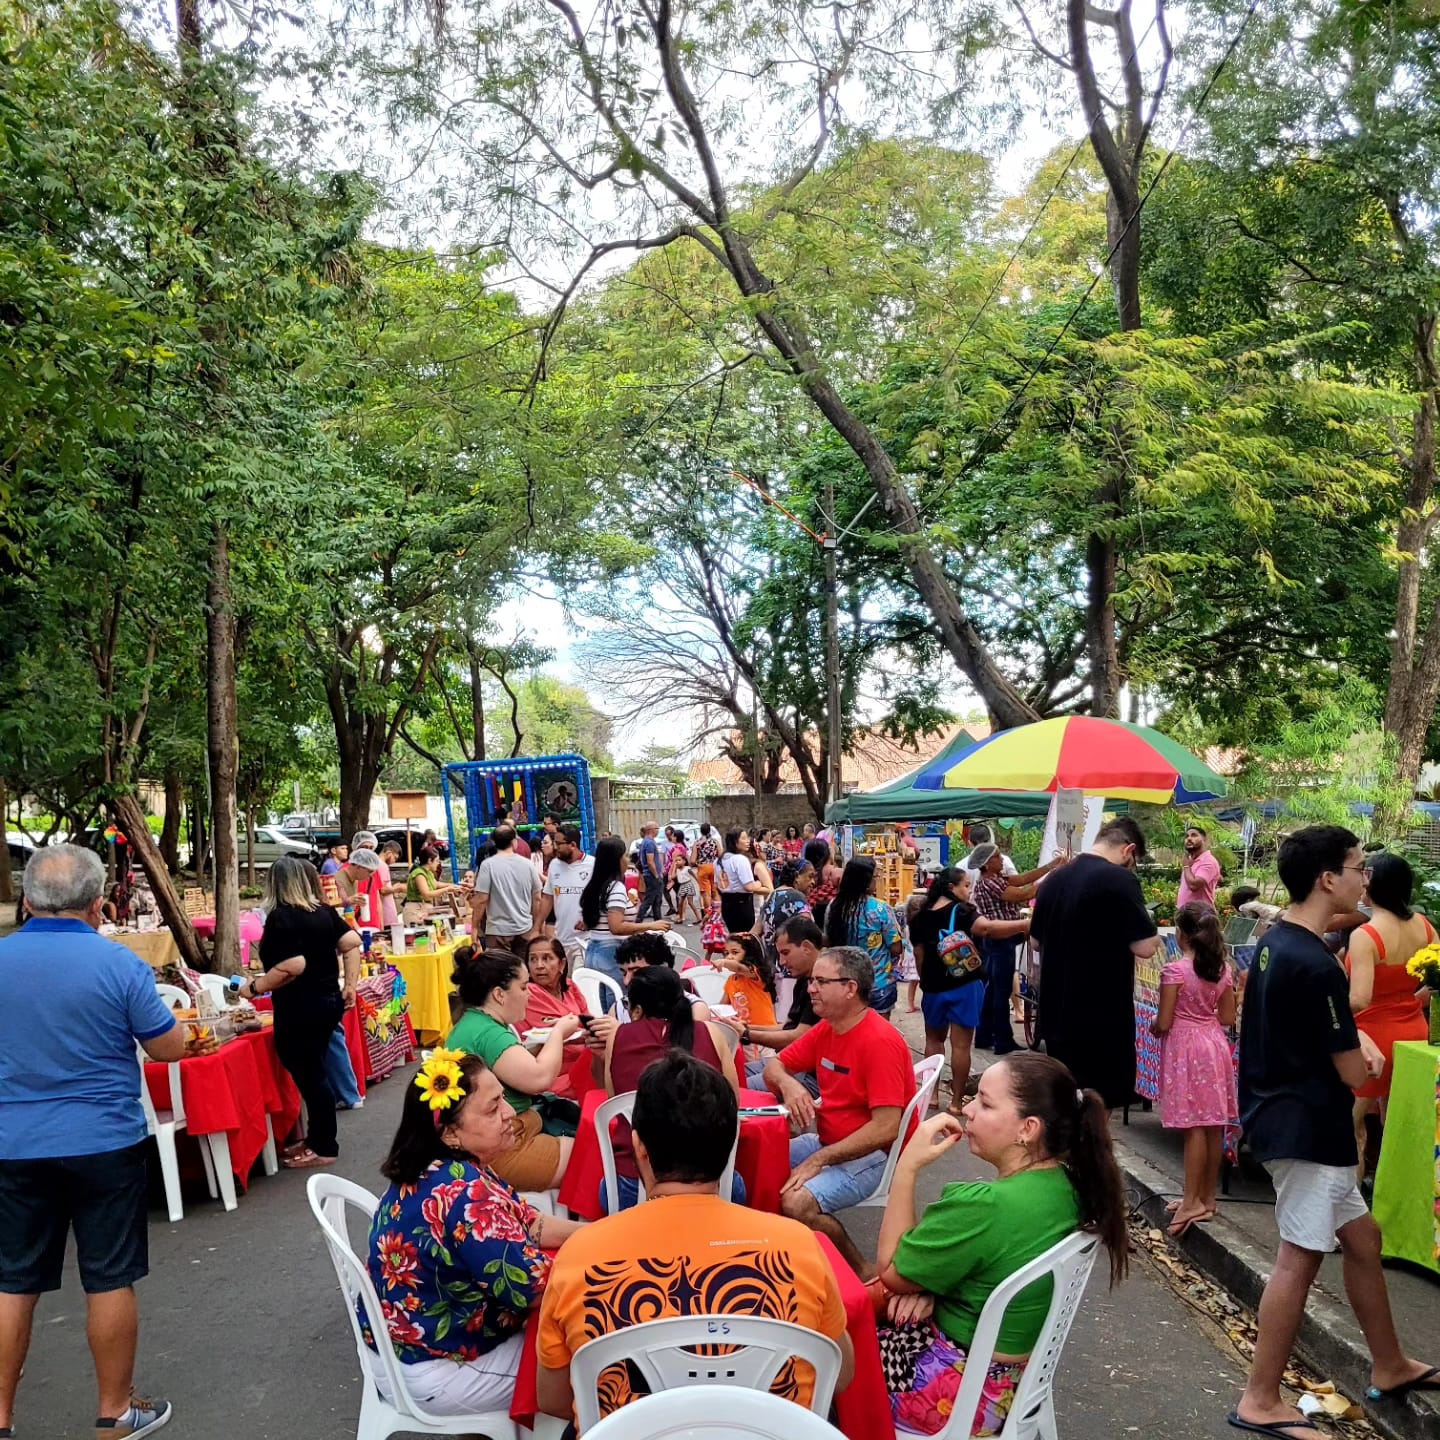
x=271, y=843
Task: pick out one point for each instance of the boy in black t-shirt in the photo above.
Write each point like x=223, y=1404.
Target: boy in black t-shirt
x=1300, y=1059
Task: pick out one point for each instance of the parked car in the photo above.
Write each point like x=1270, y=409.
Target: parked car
x=271, y=843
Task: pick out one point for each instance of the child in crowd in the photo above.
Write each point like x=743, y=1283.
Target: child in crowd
x=1301, y=1057
x=687, y=892
x=1197, y=1079
x=713, y=934
x=751, y=986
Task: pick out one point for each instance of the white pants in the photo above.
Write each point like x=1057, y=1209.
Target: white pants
x=444, y=1387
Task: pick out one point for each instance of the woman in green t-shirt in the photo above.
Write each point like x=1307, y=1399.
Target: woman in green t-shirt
x=493, y=988
x=1050, y=1144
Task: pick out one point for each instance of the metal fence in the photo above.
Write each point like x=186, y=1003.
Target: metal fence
x=625, y=816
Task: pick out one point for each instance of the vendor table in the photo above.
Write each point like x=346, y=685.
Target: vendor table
x=862, y=1408
x=762, y=1159
x=229, y=1096
x=377, y=1034
x=157, y=948
x=1407, y=1182
x=428, y=985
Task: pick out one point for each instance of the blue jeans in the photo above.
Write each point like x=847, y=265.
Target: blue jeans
x=994, y=1031
x=755, y=1071
x=600, y=955
x=630, y=1192
x=340, y=1071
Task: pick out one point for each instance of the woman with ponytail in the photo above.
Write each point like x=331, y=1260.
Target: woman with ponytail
x=1050, y=1144
x=662, y=1019
x=1197, y=1076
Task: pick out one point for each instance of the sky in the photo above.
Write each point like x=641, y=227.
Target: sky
x=1046, y=118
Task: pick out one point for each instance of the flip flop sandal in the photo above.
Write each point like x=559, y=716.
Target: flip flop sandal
x=1284, y=1429
x=307, y=1160
x=1430, y=1380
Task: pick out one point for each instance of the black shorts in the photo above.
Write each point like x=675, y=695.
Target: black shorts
x=105, y=1197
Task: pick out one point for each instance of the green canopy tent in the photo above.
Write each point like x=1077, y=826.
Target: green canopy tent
x=900, y=800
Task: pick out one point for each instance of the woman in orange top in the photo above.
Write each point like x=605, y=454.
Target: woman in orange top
x=1384, y=998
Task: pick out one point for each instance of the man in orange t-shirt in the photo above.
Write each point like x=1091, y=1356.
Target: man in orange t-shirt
x=685, y=1251
x=866, y=1080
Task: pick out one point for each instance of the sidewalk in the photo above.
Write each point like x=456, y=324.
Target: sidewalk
x=1237, y=1248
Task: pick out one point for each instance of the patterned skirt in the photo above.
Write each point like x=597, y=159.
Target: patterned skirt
x=923, y=1371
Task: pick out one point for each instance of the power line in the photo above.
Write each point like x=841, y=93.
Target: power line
x=1104, y=270
x=1039, y=215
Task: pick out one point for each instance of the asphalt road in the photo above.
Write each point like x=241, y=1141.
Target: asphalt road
x=243, y=1328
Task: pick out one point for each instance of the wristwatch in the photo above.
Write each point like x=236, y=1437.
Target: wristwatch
x=745, y=1036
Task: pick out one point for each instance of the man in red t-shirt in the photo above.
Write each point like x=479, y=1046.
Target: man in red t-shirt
x=866, y=1080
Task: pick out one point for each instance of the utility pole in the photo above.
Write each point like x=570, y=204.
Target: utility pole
x=832, y=647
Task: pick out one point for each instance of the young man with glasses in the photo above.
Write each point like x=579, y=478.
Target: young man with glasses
x=866, y=1080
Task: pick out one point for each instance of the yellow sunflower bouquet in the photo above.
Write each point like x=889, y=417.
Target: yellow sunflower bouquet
x=1424, y=967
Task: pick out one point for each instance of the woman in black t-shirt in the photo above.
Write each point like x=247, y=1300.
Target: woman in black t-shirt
x=301, y=950
x=944, y=933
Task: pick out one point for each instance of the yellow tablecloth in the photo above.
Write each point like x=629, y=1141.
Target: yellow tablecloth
x=427, y=988
x=156, y=947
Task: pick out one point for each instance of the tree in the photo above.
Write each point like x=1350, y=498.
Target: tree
x=682, y=181
x=1322, y=163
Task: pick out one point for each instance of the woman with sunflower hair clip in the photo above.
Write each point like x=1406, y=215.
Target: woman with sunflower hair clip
x=459, y=1260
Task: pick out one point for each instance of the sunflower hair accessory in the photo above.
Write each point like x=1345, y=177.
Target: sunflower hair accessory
x=440, y=1079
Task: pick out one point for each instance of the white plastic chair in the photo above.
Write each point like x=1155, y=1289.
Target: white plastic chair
x=329, y=1195
x=1032, y=1415
x=165, y=1125
x=927, y=1076
x=709, y=983
x=174, y=997
x=593, y=984
x=658, y=1351
x=624, y=1104
x=696, y=1410
x=218, y=988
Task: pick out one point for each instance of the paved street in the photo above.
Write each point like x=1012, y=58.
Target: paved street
x=243, y=1328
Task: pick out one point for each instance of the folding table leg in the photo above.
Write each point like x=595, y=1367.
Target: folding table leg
x=268, y=1156
x=219, y=1147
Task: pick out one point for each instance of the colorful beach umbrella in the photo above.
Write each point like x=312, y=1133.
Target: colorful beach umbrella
x=1080, y=752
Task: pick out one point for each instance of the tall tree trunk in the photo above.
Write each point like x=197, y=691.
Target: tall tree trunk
x=477, y=700
x=1414, y=658
x=224, y=748
x=170, y=826
x=129, y=817
x=7, y=881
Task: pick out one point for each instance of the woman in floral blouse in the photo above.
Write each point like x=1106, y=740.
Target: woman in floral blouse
x=458, y=1259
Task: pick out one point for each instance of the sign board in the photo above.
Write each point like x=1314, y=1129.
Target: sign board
x=847, y=841
x=1075, y=832
x=406, y=804
x=929, y=848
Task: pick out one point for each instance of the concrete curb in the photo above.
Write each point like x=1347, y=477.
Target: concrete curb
x=1329, y=1339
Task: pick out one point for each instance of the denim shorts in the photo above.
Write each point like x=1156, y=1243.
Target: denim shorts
x=103, y=1197
x=838, y=1187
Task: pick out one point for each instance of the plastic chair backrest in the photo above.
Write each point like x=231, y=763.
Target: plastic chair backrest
x=592, y=984
x=709, y=983
x=218, y=987
x=329, y=1195
x=624, y=1105
x=1070, y=1263
x=698, y=1410
x=174, y=997
x=177, y=1097
x=657, y=1350
x=927, y=1076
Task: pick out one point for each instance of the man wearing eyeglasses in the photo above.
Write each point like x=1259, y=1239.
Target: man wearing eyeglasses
x=1091, y=924
x=866, y=1080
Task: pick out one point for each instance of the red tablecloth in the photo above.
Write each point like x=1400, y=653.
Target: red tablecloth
x=232, y=1091
x=762, y=1159
x=862, y=1408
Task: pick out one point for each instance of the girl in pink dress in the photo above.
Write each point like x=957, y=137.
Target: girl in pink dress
x=1197, y=1078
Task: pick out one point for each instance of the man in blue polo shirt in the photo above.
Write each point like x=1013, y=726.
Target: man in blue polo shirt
x=72, y=1130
